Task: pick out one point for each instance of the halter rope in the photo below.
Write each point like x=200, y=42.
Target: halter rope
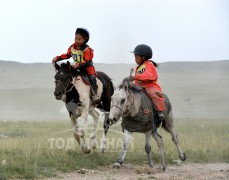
x=125, y=113
x=65, y=88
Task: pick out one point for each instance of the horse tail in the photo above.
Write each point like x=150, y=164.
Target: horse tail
x=108, y=90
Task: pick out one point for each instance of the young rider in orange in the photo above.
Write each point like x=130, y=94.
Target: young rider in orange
x=146, y=76
x=82, y=55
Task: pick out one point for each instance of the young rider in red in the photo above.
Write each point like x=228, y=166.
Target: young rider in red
x=146, y=76
x=82, y=55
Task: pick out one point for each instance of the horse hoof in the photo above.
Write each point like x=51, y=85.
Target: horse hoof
x=103, y=150
x=86, y=150
x=151, y=165
x=116, y=165
x=183, y=158
x=93, y=146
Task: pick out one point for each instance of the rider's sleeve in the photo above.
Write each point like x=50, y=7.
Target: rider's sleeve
x=88, y=54
x=65, y=56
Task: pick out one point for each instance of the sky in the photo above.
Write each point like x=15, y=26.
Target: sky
x=176, y=30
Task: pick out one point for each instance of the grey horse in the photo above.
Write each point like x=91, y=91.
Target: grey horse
x=135, y=107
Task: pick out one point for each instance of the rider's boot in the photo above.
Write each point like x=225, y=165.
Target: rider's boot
x=95, y=97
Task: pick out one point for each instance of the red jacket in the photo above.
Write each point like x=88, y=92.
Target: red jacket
x=146, y=75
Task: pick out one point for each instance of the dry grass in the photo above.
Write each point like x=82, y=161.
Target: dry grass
x=26, y=152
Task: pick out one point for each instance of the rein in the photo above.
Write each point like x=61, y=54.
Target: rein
x=65, y=88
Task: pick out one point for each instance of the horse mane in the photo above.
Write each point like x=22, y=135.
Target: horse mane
x=64, y=66
x=134, y=88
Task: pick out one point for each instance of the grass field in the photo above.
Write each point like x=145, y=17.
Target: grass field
x=35, y=142
x=39, y=149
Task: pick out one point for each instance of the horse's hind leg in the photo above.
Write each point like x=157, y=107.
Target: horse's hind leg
x=168, y=125
x=95, y=116
x=161, y=147
x=148, y=147
x=127, y=138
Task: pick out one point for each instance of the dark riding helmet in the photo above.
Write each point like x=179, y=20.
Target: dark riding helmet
x=84, y=32
x=143, y=50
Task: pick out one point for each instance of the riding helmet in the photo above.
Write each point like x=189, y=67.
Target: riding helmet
x=84, y=32
x=143, y=50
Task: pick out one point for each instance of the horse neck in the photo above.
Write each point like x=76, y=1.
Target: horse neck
x=72, y=95
x=135, y=105
x=78, y=83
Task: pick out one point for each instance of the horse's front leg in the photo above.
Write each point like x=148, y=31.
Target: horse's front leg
x=148, y=147
x=82, y=129
x=95, y=116
x=127, y=138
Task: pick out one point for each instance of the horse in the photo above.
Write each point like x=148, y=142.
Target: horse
x=138, y=115
x=72, y=88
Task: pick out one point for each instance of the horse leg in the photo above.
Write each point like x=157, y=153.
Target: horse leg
x=105, y=130
x=161, y=147
x=83, y=125
x=95, y=116
x=168, y=125
x=148, y=147
x=127, y=138
x=75, y=128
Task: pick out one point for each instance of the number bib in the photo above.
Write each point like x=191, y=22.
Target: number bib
x=77, y=55
x=141, y=69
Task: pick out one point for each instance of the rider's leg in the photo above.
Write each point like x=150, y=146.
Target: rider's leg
x=158, y=101
x=92, y=79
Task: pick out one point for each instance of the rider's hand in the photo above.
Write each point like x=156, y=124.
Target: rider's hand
x=54, y=59
x=76, y=65
x=132, y=78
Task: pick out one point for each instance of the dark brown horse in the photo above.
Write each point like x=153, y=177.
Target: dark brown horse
x=76, y=93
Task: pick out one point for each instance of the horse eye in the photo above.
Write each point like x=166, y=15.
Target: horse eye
x=122, y=100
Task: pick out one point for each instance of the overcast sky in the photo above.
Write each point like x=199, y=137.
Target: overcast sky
x=177, y=30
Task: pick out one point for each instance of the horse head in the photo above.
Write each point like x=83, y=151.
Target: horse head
x=121, y=102
x=63, y=80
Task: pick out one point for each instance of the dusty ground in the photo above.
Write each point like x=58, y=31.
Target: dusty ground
x=126, y=172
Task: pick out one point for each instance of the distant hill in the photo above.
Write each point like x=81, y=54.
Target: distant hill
x=196, y=89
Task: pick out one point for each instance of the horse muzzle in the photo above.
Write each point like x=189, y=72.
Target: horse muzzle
x=58, y=95
x=113, y=121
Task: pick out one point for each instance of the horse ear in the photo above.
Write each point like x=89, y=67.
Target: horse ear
x=68, y=65
x=125, y=85
x=56, y=66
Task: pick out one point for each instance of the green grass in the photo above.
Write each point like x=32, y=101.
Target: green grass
x=27, y=151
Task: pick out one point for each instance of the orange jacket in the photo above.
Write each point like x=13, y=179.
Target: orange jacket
x=146, y=75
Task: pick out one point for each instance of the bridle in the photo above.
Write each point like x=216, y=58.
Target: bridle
x=66, y=87
x=127, y=111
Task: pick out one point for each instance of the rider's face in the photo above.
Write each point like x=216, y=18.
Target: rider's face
x=138, y=59
x=79, y=40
